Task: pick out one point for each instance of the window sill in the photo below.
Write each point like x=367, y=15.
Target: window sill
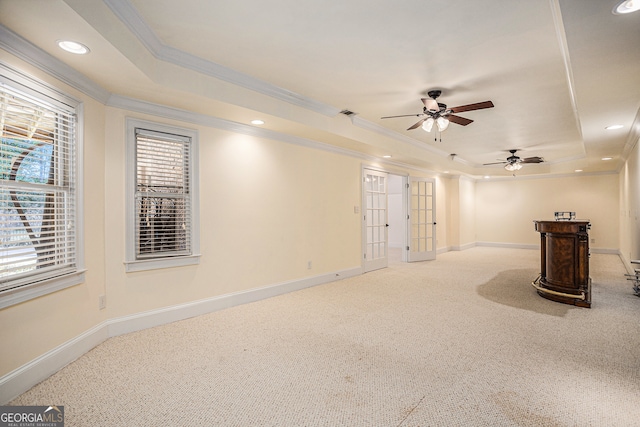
x=27, y=292
x=154, y=264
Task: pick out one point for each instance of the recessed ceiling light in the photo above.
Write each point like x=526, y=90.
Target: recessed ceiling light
x=73, y=47
x=578, y=170
x=607, y=158
x=387, y=156
x=487, y=177
x=613, y=127
x=626, y=6
x=257, y=122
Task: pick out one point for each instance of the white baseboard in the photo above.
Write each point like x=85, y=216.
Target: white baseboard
x=507, y=245
x=42, y=367
x=528, y=246
x=149, y=319
x=604, y=251
x=524, y=246
x=462, y=247
x=23, y=378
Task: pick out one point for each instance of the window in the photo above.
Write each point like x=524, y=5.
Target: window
x=162, y=208
x=40, y=245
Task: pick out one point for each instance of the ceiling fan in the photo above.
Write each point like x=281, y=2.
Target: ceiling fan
x=514, y=163
x=438, y=113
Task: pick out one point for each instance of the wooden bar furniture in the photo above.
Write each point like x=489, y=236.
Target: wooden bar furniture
x=564, y=262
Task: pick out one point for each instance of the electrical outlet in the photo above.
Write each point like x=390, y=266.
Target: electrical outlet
x=308, y=265
x=593, y=240
x=102, y=302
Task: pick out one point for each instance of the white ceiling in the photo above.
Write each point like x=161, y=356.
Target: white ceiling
x=558, y=71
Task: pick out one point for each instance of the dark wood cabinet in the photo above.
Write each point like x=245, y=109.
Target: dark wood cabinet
x=564, y=262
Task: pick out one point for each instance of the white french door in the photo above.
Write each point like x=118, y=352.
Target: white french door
x=375, y=219
x=421, y=221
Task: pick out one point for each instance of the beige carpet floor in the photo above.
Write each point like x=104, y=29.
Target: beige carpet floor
x=460, y=341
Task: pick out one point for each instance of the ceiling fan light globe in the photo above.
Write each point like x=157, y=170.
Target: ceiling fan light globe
x=427, y=125
x=442, y=123
x=626, y=6
x=512, y=167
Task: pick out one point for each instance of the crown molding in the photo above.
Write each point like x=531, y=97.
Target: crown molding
x=545, y=176
x=632, y=138
x=126, y=12
x=564, y=46
x=163, y=111
x=30, y=53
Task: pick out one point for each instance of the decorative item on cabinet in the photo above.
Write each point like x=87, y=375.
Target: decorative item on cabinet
x=564, y=216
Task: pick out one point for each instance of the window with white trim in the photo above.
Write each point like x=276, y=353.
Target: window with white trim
x=40, y=246
x=162, y=183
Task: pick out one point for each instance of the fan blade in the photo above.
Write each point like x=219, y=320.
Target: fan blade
x=417, y=125
x=532, y=160
x=404, y=115
x=431, y=104
x=459, y=120
x=471, y=107
x=495, y=163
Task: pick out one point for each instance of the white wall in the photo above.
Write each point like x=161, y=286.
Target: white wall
x=460, y=220
x=468, y=223
x=506, y=209
x=630, y=207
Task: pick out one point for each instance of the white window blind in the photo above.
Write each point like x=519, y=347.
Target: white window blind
x=163, y=205
x=38, y=237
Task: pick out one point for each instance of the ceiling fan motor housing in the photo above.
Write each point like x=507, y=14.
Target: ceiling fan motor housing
x=442, y=110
